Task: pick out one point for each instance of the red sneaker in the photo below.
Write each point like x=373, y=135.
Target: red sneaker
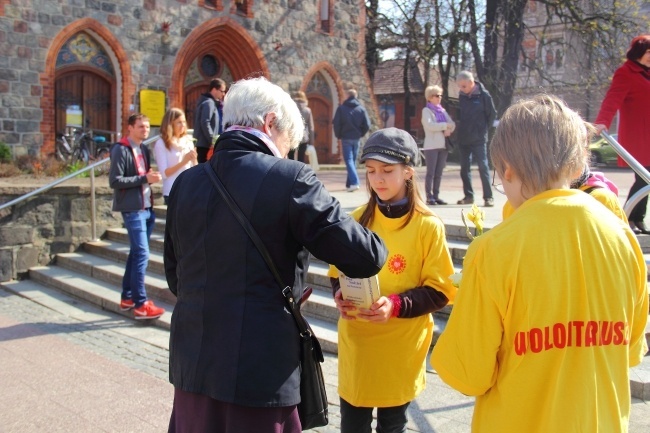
x=126, y=304
x=148, y=311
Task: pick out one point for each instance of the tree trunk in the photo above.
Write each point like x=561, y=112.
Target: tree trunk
x=372, y=49
x=505, y=30
x=407, y=91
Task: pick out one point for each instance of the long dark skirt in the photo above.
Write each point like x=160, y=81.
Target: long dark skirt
x=196, y=413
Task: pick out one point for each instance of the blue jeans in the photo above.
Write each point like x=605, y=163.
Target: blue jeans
x=350, y=151
x=480, y=153
x=139, y=225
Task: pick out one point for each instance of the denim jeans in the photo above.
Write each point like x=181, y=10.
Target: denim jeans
x=350, y=152
x=358, y=419
x=479, y=151
x=436, y=160
x=139, y=226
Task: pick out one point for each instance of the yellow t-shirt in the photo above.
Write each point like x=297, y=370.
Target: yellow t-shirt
x=383, y=365
x=550, y=315
x=603, y=195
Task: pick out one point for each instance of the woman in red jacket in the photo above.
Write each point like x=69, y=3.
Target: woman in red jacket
x=629, y=93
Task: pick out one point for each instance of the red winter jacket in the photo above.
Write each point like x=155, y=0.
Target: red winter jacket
x=630, y=93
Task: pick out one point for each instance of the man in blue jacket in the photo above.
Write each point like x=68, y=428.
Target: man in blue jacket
x=477, y=115
x=207, y=118
x=350, y=123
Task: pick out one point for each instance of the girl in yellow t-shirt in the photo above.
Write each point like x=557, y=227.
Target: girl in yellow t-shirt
x=552, y=307
x=382, y=350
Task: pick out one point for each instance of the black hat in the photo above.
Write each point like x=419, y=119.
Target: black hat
x=392, y=146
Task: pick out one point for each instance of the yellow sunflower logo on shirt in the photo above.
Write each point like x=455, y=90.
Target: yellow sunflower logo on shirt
x=396, y=264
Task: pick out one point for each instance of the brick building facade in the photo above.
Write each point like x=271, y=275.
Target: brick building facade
x=94, y=58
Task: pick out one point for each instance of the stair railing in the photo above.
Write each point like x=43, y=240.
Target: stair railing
x=91, y=169
x=638, y=169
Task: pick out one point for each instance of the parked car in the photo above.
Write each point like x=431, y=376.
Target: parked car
x=602, y=153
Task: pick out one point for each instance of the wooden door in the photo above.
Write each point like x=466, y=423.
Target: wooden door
x=92, y=93
x=321, y=110
x=191, y=98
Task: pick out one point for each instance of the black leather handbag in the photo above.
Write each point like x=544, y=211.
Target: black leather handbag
x=312, y=408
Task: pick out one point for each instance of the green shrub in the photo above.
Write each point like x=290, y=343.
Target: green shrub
x=77, y=165
x=5, y=153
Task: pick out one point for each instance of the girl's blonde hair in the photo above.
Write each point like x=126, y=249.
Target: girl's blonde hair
x=415, y=201
x=167, y=126
x=542, y=140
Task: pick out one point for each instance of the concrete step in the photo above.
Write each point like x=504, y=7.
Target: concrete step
x=119, y=252
x=92, y=290
x=85, y=287
x=112, y=272
x=159, y=225
x=156, y=241
x=160, y=211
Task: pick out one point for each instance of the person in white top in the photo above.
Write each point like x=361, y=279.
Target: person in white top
x=437, y=127
x=174, y=150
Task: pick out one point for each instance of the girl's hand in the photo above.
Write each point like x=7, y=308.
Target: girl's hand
x=190, y=156
x=379, y=312
x=344, y=306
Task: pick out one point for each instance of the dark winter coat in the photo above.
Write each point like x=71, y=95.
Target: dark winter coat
x=630, y=93
x=231, y=336
x=206, y=120
x=351, y=120
x=123, y=177
x=476, y=116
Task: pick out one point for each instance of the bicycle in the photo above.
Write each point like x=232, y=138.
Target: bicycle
x=83, y=147
x=93, y=148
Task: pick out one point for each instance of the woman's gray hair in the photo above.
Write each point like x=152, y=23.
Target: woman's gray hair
x=542, y=140
x=249, y=101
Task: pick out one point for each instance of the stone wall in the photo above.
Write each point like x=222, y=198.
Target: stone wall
x=287, y=35
x=57, y=221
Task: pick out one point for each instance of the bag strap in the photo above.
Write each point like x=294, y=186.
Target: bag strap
x=287, y=293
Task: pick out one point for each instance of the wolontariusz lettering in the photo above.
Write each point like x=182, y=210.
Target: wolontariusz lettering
x=576, y=333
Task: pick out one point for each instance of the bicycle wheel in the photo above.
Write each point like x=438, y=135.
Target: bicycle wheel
x=80, y=155
x=62, y=150
x=103, y=154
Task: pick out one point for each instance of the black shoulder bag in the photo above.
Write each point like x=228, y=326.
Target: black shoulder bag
x=312, y=408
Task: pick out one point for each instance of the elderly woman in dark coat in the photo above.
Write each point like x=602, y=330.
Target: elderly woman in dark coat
x=234, y=348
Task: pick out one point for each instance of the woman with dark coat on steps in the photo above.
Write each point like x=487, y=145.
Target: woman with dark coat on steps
x=629, y=94
x=234, y=348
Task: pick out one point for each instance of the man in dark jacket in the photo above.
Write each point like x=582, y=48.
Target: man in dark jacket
x=234, y=346
x=207, y=118
x=130, y=176
x=350, y=123
x=477, y=115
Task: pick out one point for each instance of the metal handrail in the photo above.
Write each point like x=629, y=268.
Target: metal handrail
x=634, y=165
x=91, y=168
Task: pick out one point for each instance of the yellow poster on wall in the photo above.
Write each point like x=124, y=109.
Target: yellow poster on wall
x=152, y=105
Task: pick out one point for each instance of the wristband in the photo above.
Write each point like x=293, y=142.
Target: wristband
x=397, y=305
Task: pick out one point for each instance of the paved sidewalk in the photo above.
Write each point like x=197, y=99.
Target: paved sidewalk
x=452, y=191
x=100, y=374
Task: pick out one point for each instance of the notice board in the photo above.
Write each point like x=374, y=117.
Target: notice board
x=152, y=105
